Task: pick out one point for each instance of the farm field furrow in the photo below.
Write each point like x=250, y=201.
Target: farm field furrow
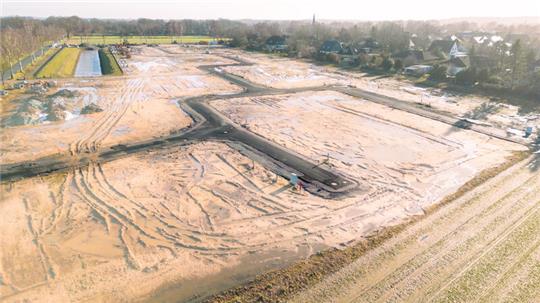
x=478, y=248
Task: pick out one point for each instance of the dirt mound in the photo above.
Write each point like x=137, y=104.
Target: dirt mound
x=29, y=112
x=22, y=118
x=65, y=93
x=35, y=111
x=56, y=110
x=90, y=109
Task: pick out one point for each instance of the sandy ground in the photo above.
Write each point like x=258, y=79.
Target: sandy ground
x=400, y=155
x=132, y=105
x=484, y=247
x=124, y=229
x=278, y=72
x=184, y=222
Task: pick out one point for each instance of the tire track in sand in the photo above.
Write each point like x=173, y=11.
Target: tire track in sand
x=105, y=124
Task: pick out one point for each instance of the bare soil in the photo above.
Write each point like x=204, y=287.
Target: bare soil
x=186, y=222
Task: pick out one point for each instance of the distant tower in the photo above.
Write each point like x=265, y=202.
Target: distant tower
x=313, y=22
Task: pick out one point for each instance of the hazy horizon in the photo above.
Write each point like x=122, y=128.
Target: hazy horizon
x=272, y=10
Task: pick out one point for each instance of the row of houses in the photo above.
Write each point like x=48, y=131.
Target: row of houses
x=279, y=44
x=450, y=52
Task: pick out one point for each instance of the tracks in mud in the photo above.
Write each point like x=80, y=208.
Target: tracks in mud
x=90, y=143
x=212, y=125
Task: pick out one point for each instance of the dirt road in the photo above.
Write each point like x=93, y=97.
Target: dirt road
x=484, y=247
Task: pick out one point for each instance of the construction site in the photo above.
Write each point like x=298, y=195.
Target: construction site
x=201, y=168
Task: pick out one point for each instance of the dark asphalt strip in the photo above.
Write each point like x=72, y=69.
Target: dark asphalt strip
x=212, y=125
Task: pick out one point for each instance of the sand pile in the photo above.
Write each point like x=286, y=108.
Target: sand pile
x=91, y=109
x=65, y=93
x=135, y=107
x=42, y=109
x=29, y=112
x=56, y=109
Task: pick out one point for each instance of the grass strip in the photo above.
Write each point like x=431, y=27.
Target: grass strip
x=62, y=65
x=109, y=65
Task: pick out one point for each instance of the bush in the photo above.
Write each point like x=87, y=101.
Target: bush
x=398, y=65
x=466, y=77
x=483, y=76
x=334, y=58
x=108, y=63
x=387, y=64
x=375, y=61
x=438, y=73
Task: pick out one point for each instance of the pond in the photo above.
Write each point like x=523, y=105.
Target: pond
x=88, y=65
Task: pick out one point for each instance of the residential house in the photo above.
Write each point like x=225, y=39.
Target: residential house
x=457, y=64
x=276, y=44
x=349, y=55
x=331, y=47
x=368, y=46
x=447, y=48
x=413, y=57
x=417, y=70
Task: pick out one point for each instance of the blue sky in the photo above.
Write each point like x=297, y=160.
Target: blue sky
x=273, y=9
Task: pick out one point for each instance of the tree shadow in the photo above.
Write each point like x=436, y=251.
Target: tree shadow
x=534, y=164
x=525, y=104
x=481, y=112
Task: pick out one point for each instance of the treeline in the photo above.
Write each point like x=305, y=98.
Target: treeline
x=141, y=27
x=21, y=37
x=505, y=63
x=392, y=36
x=508, y=64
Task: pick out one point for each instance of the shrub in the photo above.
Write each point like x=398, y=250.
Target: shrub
x=108, y=63
x=387, y=64
x=438, y=73
x=466, y=77
x=483, y=76
x=334, y=58
x=398, y=65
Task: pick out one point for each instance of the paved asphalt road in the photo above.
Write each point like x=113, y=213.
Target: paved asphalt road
x=212, y=125
x=24, y=62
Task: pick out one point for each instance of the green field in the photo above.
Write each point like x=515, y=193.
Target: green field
x=108, y=63
x=62, y=65
x=139, y=39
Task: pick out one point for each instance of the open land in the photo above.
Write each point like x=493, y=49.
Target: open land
x=182, y=222
x=132, y=107
x=277, y=72
x=139, y=39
